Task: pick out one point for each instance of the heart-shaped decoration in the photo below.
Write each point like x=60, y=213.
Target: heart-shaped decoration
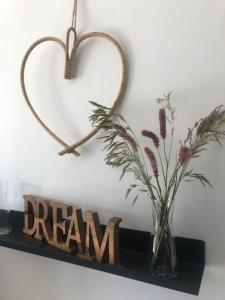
x=69, y=68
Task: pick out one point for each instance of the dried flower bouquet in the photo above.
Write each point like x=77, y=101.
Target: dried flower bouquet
x=162, y=180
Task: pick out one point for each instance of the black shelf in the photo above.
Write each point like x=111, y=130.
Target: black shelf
x=133, y=257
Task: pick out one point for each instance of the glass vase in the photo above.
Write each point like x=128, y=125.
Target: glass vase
x=5, y=209
x=163, y=261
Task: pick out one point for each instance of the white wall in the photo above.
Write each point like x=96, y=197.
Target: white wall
x=174, y=45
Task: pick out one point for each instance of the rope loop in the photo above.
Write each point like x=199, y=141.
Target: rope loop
x=68, y=38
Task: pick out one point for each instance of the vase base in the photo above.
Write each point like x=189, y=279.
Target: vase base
x=163, y=272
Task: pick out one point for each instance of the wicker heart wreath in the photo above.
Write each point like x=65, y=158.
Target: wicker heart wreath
x=70, y=59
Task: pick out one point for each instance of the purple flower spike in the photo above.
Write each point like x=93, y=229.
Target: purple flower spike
x=129, y=139
x=152, y=136
x=119, y=128
x=121, y=131
x=152, y=159
x=162, y=122
x=184, y=155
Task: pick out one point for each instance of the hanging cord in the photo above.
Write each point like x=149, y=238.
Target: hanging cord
x=74, y=17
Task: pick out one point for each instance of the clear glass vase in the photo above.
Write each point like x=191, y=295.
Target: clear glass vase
x=163, y=261
x=5, y=209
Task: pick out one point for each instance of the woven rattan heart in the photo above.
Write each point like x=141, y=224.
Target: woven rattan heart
x=69, y=61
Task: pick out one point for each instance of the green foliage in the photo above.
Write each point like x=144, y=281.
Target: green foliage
x=202, y=179
x=119, y=152
x=123, y=152
x=208, y=130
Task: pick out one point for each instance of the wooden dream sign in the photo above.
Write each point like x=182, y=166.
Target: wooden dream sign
x=63, y=227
